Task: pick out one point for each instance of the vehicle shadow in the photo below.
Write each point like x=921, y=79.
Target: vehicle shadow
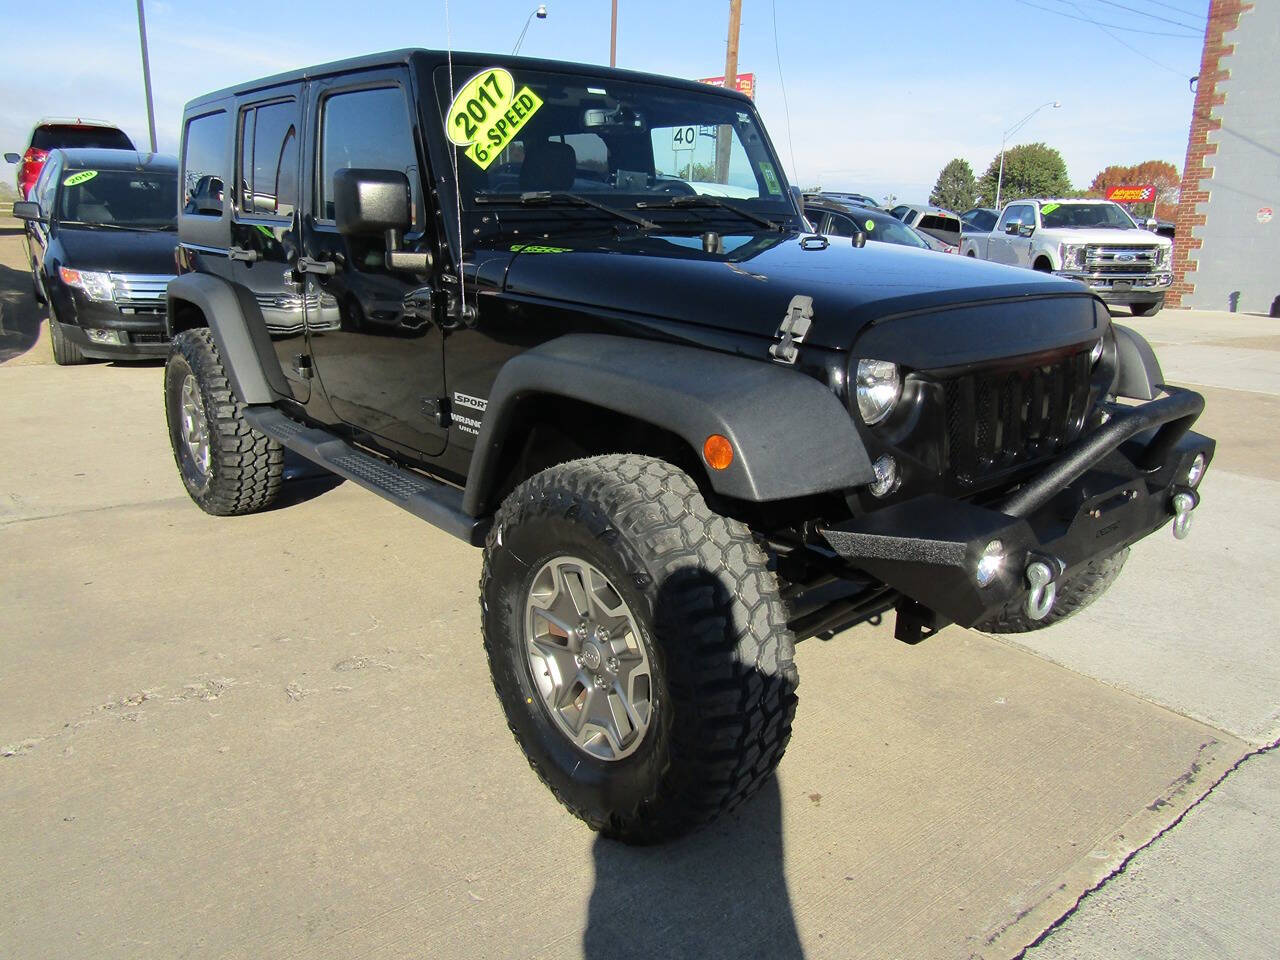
x=20, y=315
x=719, y=893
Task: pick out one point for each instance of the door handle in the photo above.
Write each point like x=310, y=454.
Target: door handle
x=240, y=253
x=326, y=268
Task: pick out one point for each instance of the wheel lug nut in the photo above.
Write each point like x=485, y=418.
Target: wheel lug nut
x=613, y=664
x=601, y=682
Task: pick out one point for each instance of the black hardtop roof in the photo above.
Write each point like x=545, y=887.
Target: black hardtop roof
x=93, y=158
x=435, y=58
x=841, y=206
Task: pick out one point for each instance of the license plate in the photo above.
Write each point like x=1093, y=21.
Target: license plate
x=1122, y=285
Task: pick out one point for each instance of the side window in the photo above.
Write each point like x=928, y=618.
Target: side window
x=47, y=187
x=274, y=182
x=841, y=226
x=244, y=162
x=814, y=216
x=1012, y=214
x=369, y=129
x=204, y=147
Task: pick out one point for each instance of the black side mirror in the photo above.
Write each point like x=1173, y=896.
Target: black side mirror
x=12, y=157
x=369, y=202
x=1011, y=228
x=26, y=210
x=1026, y=230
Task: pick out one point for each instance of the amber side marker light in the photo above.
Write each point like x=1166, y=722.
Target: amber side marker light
x=718, y=452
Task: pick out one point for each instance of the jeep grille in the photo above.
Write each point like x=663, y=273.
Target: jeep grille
x=998, y=420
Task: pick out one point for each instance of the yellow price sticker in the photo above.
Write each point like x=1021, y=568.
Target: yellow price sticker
x=487, y=113
x=84, y=176
x=870, y=225
x=1049, y=208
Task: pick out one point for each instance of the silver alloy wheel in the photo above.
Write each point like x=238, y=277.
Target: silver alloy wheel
x=587, y=658
x=195, y=425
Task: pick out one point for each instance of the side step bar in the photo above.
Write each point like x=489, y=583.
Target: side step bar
x=437, y=503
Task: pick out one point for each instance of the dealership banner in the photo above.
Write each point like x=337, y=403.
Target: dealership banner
x=746, y=83
x=1143, y=194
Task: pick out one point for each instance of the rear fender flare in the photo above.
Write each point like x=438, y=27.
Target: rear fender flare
x=243, y=345
x=791, y=435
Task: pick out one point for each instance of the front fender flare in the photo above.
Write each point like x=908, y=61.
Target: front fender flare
x=791, y=435
x=1138, y=373
x=241, y=344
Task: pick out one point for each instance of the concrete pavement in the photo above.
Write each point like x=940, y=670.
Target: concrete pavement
x=275, y=736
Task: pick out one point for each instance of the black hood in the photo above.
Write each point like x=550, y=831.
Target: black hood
x=118, y=251
x=747, y=286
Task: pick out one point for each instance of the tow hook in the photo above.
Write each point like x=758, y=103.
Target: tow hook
x=1044, y=590
x=1183, y=504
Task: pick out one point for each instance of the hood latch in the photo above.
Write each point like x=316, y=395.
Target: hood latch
x=792, y=330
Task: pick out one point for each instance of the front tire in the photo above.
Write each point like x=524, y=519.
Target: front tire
x=1146, y=309
x=228, y=467
x=1077, y=591
x=627, y=542
x=66, y=352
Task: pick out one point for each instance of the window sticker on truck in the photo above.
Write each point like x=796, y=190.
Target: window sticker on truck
x=84, y=176
x=487, y=113
x=770, y=179
x=1049, y=208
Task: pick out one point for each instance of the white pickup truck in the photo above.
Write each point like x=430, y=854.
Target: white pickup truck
x=1093, y=241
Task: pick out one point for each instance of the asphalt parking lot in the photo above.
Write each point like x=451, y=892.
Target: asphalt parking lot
x=275, y=735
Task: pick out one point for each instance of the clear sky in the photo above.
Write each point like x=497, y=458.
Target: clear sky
x=882, y=93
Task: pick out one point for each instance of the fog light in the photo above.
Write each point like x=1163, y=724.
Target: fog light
x=1195, y=473
x=104, y=336
x=887, y=479
x=990, y=563
x=1096, y=353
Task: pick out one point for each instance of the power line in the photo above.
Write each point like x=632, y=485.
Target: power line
x=1114, y=26
x=1142, y=54
x=1169, y=6
x=1143, y=13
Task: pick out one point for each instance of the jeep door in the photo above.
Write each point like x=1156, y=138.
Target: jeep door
x=381, y=367
x=264, y=229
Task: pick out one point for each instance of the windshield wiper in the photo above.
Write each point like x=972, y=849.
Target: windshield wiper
x=551, y=197
x=705, y=200
x=88, y=223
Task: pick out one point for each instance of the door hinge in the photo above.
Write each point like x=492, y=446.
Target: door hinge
x=436, y=409
x=791, y=333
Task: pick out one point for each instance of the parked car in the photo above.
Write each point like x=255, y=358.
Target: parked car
x=685, y=430
x=53, y=133
x=1093, y=241
x=100, y=229
x=941, y=228
x=846, y=220
x=860, y=199
x=978, y=220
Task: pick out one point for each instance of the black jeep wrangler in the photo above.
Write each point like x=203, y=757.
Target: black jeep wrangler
x=574, y=315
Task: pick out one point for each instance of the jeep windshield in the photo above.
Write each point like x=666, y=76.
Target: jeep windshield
x=622, y=145
x=125, y=199
x=1067, y=215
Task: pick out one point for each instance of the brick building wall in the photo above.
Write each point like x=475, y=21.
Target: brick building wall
x=1225, y=256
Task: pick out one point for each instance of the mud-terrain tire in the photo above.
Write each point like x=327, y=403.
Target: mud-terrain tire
x=705, y=611
x=66, y=352
x=1076, y=592
x=236, y=470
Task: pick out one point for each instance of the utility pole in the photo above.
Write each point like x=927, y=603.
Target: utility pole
x=146, y=76
x=724, y=138
x=613, y=36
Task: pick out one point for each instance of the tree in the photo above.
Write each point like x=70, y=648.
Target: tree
x=1161, y=173
x=1030, y=170
x=956, y=187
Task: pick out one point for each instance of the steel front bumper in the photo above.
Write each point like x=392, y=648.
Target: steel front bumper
x=1111, y=488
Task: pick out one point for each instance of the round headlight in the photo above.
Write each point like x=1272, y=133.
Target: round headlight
x=878, y=387
x=1096, y=353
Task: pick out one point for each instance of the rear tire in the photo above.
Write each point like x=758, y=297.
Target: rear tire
x=704, y=623
x=66, y=352
x=1076, y=592
x=228, y=467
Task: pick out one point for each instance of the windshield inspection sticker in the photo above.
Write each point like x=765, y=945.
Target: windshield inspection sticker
x=84, y=176
x=770, y=178
x=488, y=112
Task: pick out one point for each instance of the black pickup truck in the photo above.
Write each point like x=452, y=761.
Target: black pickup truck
x=574, y=315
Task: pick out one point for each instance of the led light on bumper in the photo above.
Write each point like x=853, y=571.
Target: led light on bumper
x=96, y=286
x=990, y=563
x=887, y=478
x=1195, y=472
x=106, y=336
x=879, y=385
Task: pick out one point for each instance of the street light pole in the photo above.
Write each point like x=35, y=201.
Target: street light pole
x=540, y=12
x=613, y=36
x=724, y=141
x=1010, y=132
x=146, y=76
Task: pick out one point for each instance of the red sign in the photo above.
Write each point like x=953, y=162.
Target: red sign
x=746, y=83
x=1144, y=194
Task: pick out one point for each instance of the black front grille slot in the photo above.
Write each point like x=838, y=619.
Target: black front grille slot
x=997, y=420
